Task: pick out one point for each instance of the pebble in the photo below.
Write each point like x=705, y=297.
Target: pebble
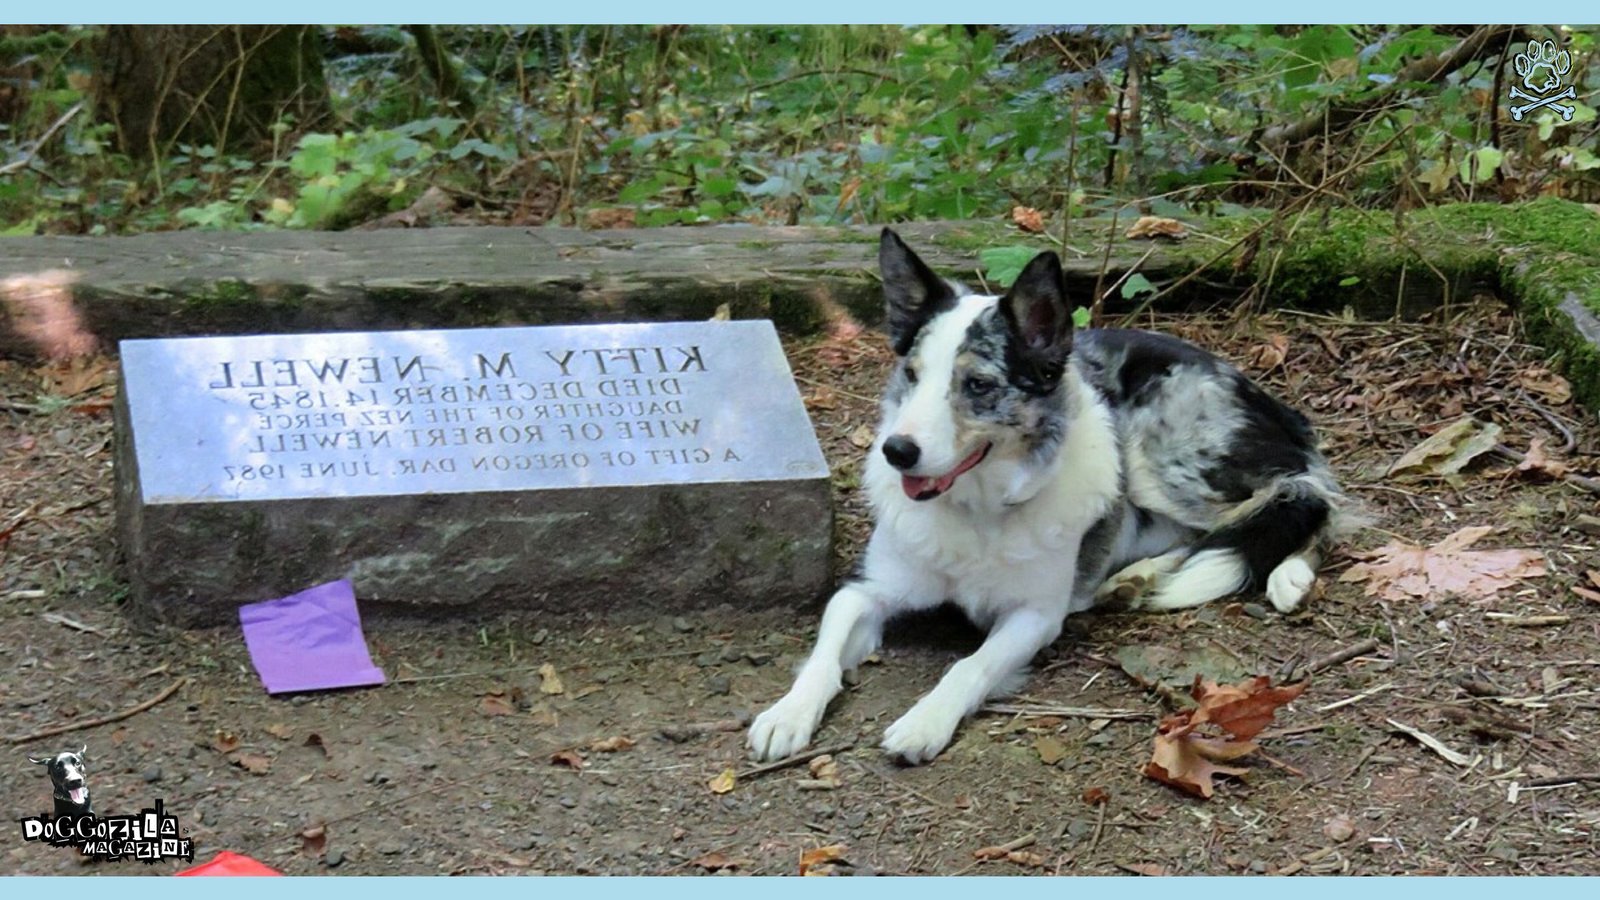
x=758, y=657
x=682, y=625
x=1339, y=829
x=1079, y=828
x=731, y=654
x=333, y=858
x=855, y=818
x=539, y=636
x=1257, y=611
x=706, y=660
x=391, y=848
x=1259, y=866
x=152, y=775
x=567, y=802
x=719, y=685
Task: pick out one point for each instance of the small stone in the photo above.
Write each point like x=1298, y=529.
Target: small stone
x=152, y=775
x=1259, y=866
x=391, y=848
x=567, y=802
x=758, y=657
x=1504, y=852
x=706, y=660
x=538, y=637
x=731, y=654
x=855, y=818
x=682, y=625
x=1339, y=829
x=333, y=858
x=1257, y=611
x=719, y=685
x=1079, y=828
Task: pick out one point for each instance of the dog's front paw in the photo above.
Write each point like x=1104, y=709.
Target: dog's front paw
x=784, y=729
x=919, y=735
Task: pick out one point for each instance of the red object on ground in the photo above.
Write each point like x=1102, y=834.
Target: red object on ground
x=229, y=863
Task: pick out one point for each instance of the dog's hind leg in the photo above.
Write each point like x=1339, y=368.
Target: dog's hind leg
x=927, y=727
x=1273, y=546
x=851, y=628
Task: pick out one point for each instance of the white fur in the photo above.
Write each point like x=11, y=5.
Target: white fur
x=1202, y=578
x=1290, y=582
x=1010, y=567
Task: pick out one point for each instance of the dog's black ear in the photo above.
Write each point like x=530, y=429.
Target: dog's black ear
x=911, y=292
x=1040, y=323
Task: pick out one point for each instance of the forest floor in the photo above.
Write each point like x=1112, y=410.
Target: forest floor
x=464, y=764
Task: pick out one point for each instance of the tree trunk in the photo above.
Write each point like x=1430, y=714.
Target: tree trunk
x=222, y=85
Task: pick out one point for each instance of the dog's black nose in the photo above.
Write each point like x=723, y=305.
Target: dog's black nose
x=902, y=452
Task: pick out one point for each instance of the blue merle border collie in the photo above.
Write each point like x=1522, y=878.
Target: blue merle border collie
x=1025, y=471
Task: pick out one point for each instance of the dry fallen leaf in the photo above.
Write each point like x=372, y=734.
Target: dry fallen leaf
x=1448, y=450
x=1158, y=226
x=1097, y=796
x=568, y=758
x=496, y=705
x=549, y=681
x=863, y=436
x=77, y=376
x=723, y=783
x=824, y=768
x=990, y=853
x=1538, y=464
x=1190, y=761
x=224, y=742
x=280, y=731
x=313, y=839
x=1339, y=829
x=717, y=860
x=1547, y=384
x=1028, y=219
x=611, y=217
x=1150, y=869
x=254, y=763
x=612, y=744
x=1270, y=355
x=1024, y=858
x=314, y=741
x=819, y=860
x=1401, y=571
x=1050, y=750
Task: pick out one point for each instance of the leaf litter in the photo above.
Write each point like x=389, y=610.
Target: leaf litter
x=1190, y=761
x=1400, y=570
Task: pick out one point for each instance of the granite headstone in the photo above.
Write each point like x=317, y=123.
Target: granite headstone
x=559, y=469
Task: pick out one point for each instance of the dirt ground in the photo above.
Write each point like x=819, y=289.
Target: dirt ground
x=458, y=765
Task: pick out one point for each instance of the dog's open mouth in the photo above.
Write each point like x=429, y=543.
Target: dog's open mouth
x=920, y=488
x=78, y=794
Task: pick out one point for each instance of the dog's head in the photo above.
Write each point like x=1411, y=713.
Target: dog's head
x=978, y=377
x=68, y=775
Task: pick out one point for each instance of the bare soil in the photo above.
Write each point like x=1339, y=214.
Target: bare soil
x=458, y=765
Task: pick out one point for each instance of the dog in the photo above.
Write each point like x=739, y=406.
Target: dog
x=1025, y=470
x=68, y=781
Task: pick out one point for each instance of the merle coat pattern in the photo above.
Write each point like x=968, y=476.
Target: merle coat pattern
x=1025, y=471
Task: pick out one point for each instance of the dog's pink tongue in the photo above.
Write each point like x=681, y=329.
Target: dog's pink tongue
x=77, y=794
x=918, y=488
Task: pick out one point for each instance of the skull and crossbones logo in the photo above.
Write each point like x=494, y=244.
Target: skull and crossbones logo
x=1541, y=67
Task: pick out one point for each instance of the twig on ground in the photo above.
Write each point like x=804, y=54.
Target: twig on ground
x=1592, y=485
x=1555, y=780
x=1527, y=621
x=1432, y=743
x=103, y=720
x=680, y=733
x=803, y=756
x=1099, y=829
x=1074, y=712
x=1364, y=695
x=74, y=624
x=1339, y=657
x=1360, y=761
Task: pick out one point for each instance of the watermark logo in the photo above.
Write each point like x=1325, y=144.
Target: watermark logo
x=151, y=835
x=1542, y=68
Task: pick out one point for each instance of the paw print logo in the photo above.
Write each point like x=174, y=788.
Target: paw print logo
x=1542, y=67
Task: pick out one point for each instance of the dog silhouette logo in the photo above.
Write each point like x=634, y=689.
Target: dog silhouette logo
x=1542, y=68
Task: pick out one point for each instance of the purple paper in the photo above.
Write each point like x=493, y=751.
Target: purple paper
x=310, y=641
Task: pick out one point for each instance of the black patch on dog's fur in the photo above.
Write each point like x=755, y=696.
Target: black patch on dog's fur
x=1276, y=440
x=1040, y=326
x=912, y=293
x=1281, y=527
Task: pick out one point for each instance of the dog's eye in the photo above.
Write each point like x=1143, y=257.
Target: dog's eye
x=978, y=387
x=911, y=374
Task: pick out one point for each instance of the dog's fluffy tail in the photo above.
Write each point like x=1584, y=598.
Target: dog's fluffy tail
x=1274, y=541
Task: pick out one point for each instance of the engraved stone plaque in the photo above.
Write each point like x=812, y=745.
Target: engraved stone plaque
x=555, y=468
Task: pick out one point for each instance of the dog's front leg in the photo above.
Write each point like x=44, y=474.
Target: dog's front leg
x=851, y=628
x=927, y=727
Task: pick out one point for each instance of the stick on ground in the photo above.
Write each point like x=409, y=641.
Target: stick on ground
x=103, y=720
x=795, y=760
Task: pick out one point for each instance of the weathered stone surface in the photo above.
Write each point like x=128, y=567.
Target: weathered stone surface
x=554, y=469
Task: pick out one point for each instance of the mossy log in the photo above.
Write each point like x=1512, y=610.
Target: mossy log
x=1543, y=256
